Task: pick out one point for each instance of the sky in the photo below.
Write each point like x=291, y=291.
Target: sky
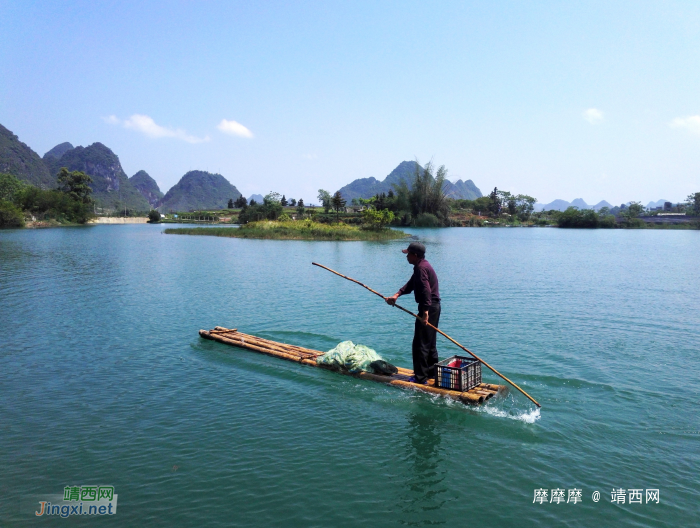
x=592, y=100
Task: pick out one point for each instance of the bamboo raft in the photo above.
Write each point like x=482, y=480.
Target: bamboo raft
x=306, y=356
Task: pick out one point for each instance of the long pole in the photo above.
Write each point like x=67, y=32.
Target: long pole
x=434, y=328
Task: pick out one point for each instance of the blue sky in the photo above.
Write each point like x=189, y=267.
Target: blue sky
x=598, y=100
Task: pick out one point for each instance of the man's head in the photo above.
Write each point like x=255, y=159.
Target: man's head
x=414, y=252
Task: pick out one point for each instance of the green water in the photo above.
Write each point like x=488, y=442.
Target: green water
x=104, y=379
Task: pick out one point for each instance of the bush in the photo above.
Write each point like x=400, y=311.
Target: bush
x=426, y=220
x=377, y=219
x=572, y=217
x=10, y=215
x=267, y=210
x=153, y=216
x=53, y=204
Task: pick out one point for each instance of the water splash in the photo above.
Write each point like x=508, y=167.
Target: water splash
x=530, y=416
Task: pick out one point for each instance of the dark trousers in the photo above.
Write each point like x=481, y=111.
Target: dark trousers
x=425, y=353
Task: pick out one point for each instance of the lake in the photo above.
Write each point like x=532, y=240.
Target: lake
x=105, y=381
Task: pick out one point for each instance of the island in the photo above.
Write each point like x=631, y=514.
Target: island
x=294, y=230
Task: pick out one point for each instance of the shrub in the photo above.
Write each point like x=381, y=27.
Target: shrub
x=10, y=215
x=153, y=216
x=426, y=220
x=377, y=219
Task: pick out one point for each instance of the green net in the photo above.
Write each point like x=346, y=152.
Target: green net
x=349, y=356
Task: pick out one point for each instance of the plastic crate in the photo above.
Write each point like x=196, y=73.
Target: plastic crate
x=458, y=373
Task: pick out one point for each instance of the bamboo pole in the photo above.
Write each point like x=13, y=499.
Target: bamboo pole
x=436, y=329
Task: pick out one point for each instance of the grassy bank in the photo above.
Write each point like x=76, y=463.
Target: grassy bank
x=293, y=230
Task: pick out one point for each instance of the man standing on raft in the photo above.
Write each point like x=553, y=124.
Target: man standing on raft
x=424, y=285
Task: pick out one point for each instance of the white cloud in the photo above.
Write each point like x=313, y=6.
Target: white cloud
x=111, y=120
x=146, y=125
x=234, y=128
x=593, y=116
x=692, y=123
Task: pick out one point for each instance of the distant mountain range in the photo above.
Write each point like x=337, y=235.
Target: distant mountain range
x=110, y=186
x=257, y=197
x=196, y=189
x=405, y=171
x=563, y=205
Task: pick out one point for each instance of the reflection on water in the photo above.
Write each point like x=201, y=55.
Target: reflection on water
x=425, y=491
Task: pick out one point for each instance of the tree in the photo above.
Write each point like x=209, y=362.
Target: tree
x=154, y=216
x=301, y=210
x=76, y=184
x=338, y=203
x=377, y=219
x=325, y=198
x=230, y=203
x=428, y=192
x=283, y=201
x=495, y=203
x=252, y=203
x=292, y=202
x=633, y=210
x=9, y=187
x=272, y=198
x=693, y=204
x=241, y=201
x=525, y=206
x=10, y=215
x=572, y=217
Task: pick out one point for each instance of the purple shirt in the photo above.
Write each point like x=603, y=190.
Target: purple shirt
x=424, y=285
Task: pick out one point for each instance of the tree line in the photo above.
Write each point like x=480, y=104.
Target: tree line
x=69, y=202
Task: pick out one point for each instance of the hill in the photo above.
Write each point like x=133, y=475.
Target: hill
x=110, y=186
x=257, y=197
x=199, y=190
x=18, y=159
x=405, y=171
x=147, y=186
x=58, y=151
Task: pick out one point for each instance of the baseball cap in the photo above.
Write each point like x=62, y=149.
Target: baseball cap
x=416, y=248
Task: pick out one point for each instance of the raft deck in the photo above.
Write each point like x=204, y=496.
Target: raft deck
x=307, y=356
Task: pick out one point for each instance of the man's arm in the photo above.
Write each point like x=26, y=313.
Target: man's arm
x=425, y=295
x=406, y=288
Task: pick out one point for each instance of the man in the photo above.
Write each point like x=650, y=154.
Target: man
x=424, y=285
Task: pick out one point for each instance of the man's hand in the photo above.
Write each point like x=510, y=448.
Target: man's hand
x=392, y=300
x=423, y=318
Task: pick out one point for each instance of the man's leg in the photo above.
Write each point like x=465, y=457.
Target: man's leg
x=432, y=357
x=420, y=352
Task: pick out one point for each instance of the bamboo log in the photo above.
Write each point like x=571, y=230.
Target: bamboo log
x=436, y=329
x=492, y=387
x=270, y=344
x=263, y=340
x=258, y=340
x=267, y=351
